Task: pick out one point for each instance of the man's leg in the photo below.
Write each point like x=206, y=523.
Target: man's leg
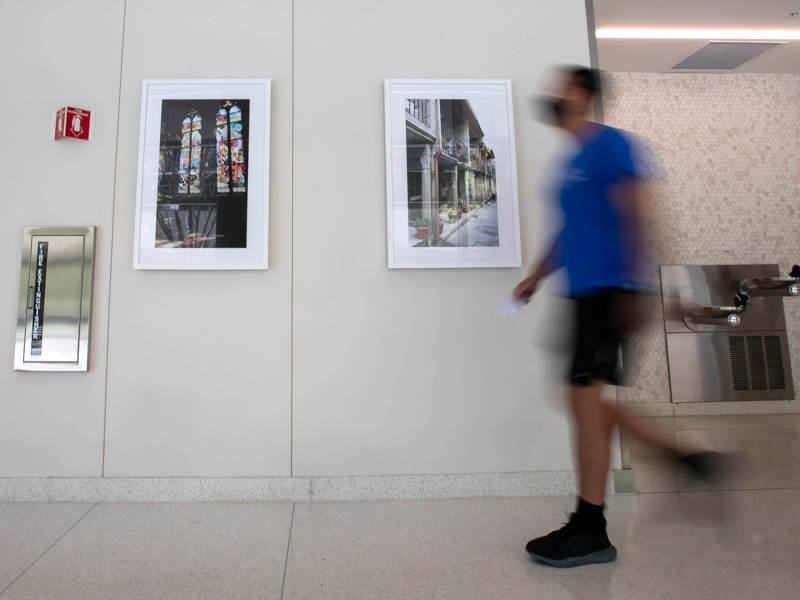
x=694, y=462
x=583, y=540
x=661, y=437
x=593, y=423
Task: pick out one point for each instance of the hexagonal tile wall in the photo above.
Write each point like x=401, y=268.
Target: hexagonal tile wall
x=724, y=154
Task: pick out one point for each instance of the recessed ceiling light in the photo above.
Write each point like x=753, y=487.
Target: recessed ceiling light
x=698, y=34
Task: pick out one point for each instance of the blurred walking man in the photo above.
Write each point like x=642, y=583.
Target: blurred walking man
x=599, y=246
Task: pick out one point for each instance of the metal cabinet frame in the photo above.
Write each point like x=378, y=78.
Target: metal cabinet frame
x=85, y=319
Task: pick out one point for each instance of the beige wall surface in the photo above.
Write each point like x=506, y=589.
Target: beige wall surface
x=193, y=388
x=345, y=367
x=51, y=424
x=728, y=148
x=410, y=372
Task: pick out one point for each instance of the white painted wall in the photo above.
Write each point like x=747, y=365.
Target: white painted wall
x=410, y=372
x=53, y=56
x=190, y=391
x=353, y=369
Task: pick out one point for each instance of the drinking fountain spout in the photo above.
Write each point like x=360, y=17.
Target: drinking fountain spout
x=770, y=286
x=698, y=317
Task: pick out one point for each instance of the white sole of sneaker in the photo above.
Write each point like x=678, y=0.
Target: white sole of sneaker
x=601, y=556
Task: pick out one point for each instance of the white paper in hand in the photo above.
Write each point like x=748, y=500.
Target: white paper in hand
x=508, y=306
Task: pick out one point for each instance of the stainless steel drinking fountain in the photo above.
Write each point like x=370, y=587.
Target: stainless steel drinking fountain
x=726, y=332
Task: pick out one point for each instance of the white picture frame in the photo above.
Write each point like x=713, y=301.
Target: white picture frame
x=188, y=217
x=427, y=122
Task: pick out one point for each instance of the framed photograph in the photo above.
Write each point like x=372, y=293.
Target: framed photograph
x=202, y=199
x=451, y=174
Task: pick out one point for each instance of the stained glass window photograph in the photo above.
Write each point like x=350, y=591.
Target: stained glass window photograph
x=202, y=198
x=202, y=180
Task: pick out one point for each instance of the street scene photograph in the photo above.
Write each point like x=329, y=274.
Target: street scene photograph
x=452, y=196
x=451, y=173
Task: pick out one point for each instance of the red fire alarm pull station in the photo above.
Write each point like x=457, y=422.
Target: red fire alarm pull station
x=74, y=122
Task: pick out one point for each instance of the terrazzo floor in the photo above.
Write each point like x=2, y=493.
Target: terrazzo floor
x=739, y=542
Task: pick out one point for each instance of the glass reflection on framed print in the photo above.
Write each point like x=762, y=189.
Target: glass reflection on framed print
x=451, y=174
x=202, y=198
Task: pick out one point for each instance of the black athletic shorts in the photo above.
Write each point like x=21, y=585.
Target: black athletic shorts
x=598, y=337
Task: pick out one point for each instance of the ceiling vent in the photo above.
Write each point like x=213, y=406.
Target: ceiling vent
x=724, y=56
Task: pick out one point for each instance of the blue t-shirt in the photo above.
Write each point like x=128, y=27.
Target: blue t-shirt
x=596, y=243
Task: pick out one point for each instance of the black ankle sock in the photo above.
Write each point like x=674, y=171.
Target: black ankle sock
x=591, y=516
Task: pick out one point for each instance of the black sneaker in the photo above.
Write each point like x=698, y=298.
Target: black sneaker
x=572, y=546
x=707, y=467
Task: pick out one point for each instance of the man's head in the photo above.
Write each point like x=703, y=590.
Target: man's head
x=571, y=94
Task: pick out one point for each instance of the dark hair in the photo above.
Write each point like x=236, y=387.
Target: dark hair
x=585, y=78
